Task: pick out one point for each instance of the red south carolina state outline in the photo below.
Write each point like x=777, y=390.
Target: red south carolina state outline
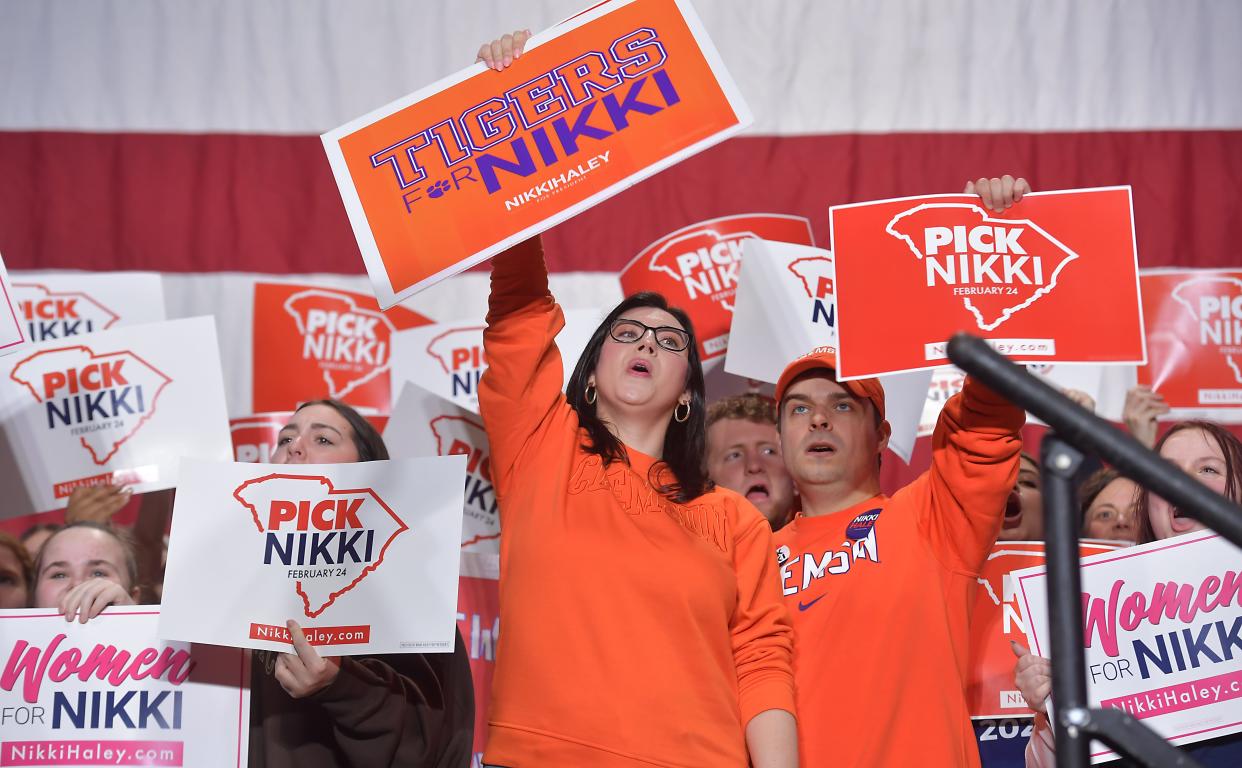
x=321, y=480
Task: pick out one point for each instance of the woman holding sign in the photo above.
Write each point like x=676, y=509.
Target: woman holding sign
x=83, y=568
x=1213, y=455
x=642, y=619
x=309, y=710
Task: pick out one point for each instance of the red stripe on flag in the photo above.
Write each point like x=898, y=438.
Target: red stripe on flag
x=188, y=202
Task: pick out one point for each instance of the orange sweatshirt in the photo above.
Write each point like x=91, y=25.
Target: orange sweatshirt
x=635, y=631
x=880, y=597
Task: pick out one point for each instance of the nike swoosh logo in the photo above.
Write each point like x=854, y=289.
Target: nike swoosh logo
x=803, y=606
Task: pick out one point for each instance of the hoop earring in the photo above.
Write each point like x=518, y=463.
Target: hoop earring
x=681, y=419
x=590, y=394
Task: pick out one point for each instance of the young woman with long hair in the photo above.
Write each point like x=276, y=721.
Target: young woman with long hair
x=642, y=619
x=643, y=623
x=83, y=568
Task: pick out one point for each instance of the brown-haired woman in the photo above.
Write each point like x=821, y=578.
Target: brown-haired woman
x=83, y=568
x=642, y=615
x=309, y=710
x=1107, y=501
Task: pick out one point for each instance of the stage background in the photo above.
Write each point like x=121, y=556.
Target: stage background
x=183, y=137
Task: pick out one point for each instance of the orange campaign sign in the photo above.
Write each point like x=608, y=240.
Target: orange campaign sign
x=313, y=342
x=913, y=271
x=452, y=174
x=997, y=619
x=1194, y=340
x=696, y=268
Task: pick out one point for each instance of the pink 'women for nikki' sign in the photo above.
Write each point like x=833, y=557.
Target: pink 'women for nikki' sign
x=1161, y=630
x=110, y=692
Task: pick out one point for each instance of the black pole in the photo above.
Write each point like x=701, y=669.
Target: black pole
x=1074, y=723
x=1090, y=433
x=1131, y=739
x=1069, y=670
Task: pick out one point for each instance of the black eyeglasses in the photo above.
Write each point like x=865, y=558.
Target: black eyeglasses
x=629, y=331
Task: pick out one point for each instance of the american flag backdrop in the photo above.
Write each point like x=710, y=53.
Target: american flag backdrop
x=183, y=137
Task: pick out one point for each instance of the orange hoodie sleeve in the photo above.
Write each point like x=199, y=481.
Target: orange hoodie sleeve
x=522, y=384
x=975, y=453
x=761, y=630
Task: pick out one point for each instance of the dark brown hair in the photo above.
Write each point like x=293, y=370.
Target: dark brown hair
x=367, y=440
x=1229, y=446
x=1092, y=487
x=684, y=442
x=38, y=528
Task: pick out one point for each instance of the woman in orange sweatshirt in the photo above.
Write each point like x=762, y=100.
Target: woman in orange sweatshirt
x=642, y=623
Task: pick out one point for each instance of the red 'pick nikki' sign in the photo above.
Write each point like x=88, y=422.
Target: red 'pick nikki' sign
x=1194, y=339
x=312, y=343
x=912, y=272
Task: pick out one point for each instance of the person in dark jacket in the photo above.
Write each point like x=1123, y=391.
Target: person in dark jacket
x=307, y=710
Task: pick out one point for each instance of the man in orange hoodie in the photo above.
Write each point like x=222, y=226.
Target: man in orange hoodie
x=879, y=588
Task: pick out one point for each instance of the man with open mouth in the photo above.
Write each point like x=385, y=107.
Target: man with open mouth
x=879, y=588
x=744, y=454
x=1024, y=508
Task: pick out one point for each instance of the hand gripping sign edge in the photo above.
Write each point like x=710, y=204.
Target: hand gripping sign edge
x=1009, y=311
x=254, y=513
x=80, y=347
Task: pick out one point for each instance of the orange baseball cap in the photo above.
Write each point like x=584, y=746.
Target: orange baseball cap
x=826, y=358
